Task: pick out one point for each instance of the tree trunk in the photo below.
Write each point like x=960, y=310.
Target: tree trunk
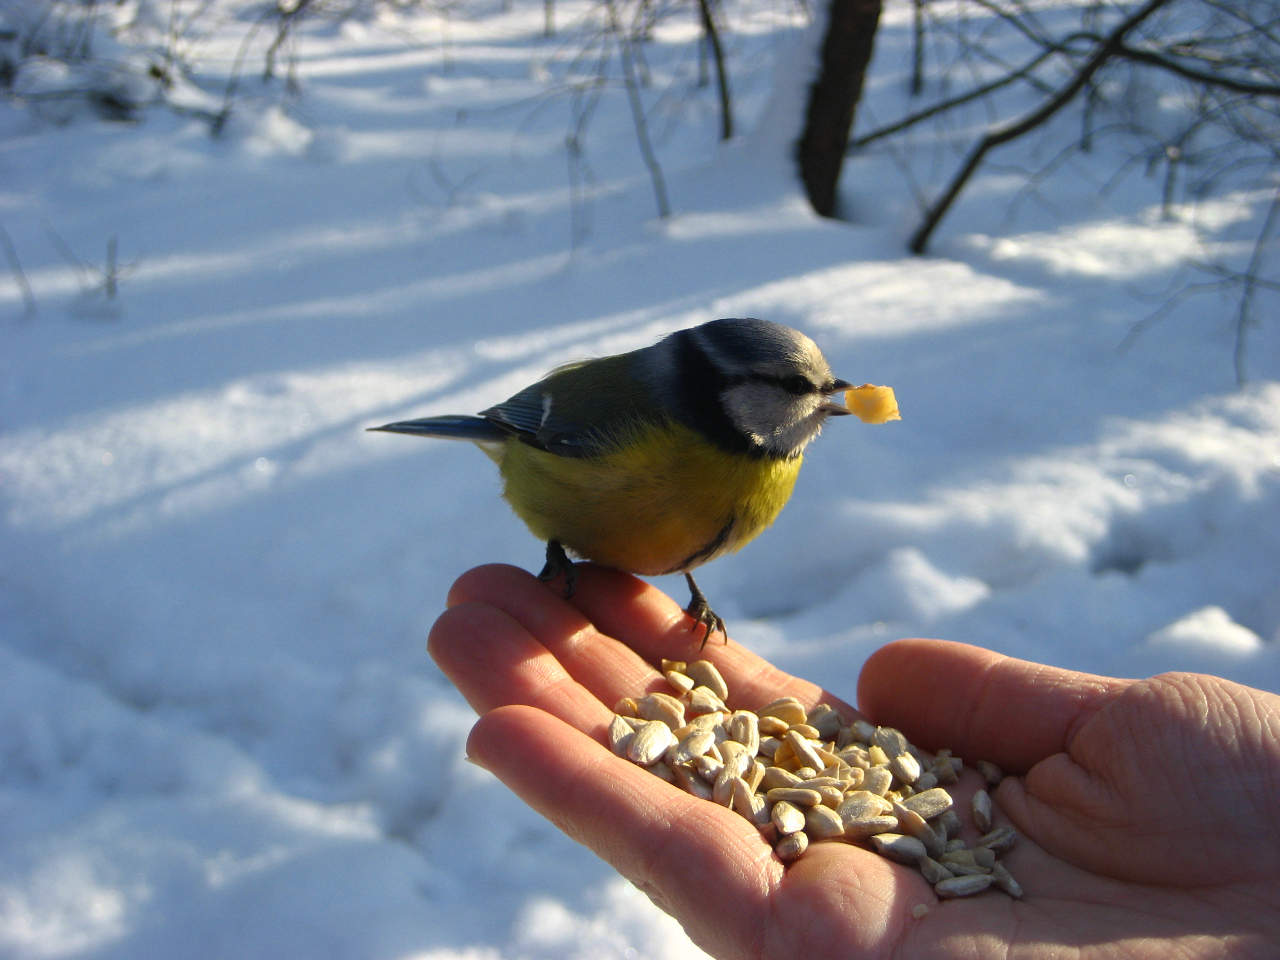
x=712, y=36
x=833, y=98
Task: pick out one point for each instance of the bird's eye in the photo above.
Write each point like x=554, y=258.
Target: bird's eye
x=797, y=385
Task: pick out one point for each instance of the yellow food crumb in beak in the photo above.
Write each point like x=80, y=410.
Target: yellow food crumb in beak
x=872, y=404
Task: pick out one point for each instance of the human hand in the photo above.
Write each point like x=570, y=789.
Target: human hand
x=1146, y=810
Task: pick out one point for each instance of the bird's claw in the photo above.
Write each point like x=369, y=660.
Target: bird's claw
x=558, y=562
x=702, y=614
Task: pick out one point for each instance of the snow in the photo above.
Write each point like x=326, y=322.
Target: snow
x=220, y=734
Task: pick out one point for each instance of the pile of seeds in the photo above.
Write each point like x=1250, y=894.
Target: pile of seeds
x=804, y=776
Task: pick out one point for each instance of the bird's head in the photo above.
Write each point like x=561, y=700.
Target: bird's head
x=771, y=382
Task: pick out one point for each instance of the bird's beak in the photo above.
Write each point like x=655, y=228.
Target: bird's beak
x=834, y=407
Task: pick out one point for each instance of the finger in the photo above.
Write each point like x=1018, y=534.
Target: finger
x=605, y=667
x=677, y=849
x=703, y=864
x=493, y=660
x=981, y=704
x=655, y=626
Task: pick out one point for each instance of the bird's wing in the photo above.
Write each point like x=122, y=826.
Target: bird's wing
x=522, y=414
x=532, y=417
x=579, y=410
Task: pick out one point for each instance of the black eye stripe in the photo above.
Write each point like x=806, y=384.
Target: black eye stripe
x=795, y=384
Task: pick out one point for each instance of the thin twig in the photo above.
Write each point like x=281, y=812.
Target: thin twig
x=954, y=102
x=637, y=112
x=1166, y=308
x=15, y=265
x=69, y=255
x=1250, y=281
x=917, y=48
x=1199, y=76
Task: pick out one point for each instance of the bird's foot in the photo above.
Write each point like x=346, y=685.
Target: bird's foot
x=558, y=562
x=702, y=613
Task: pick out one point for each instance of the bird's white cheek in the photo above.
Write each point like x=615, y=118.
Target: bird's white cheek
x=794, y=437
x=777, y=421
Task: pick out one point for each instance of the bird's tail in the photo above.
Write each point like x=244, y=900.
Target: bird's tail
x=450, y=427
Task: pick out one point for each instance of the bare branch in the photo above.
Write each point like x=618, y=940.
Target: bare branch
x=1199, y=76
x=1039, y=39
x=945, y=105
x=1105, y=51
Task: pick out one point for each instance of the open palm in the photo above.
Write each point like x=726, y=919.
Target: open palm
x=1148, y=811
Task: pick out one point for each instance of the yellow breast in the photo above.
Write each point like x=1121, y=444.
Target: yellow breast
x=664, y=502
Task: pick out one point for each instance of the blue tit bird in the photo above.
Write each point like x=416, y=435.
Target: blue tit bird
x=658, y=460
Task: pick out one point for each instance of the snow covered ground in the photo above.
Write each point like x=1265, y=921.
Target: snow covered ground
x=220, y=734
